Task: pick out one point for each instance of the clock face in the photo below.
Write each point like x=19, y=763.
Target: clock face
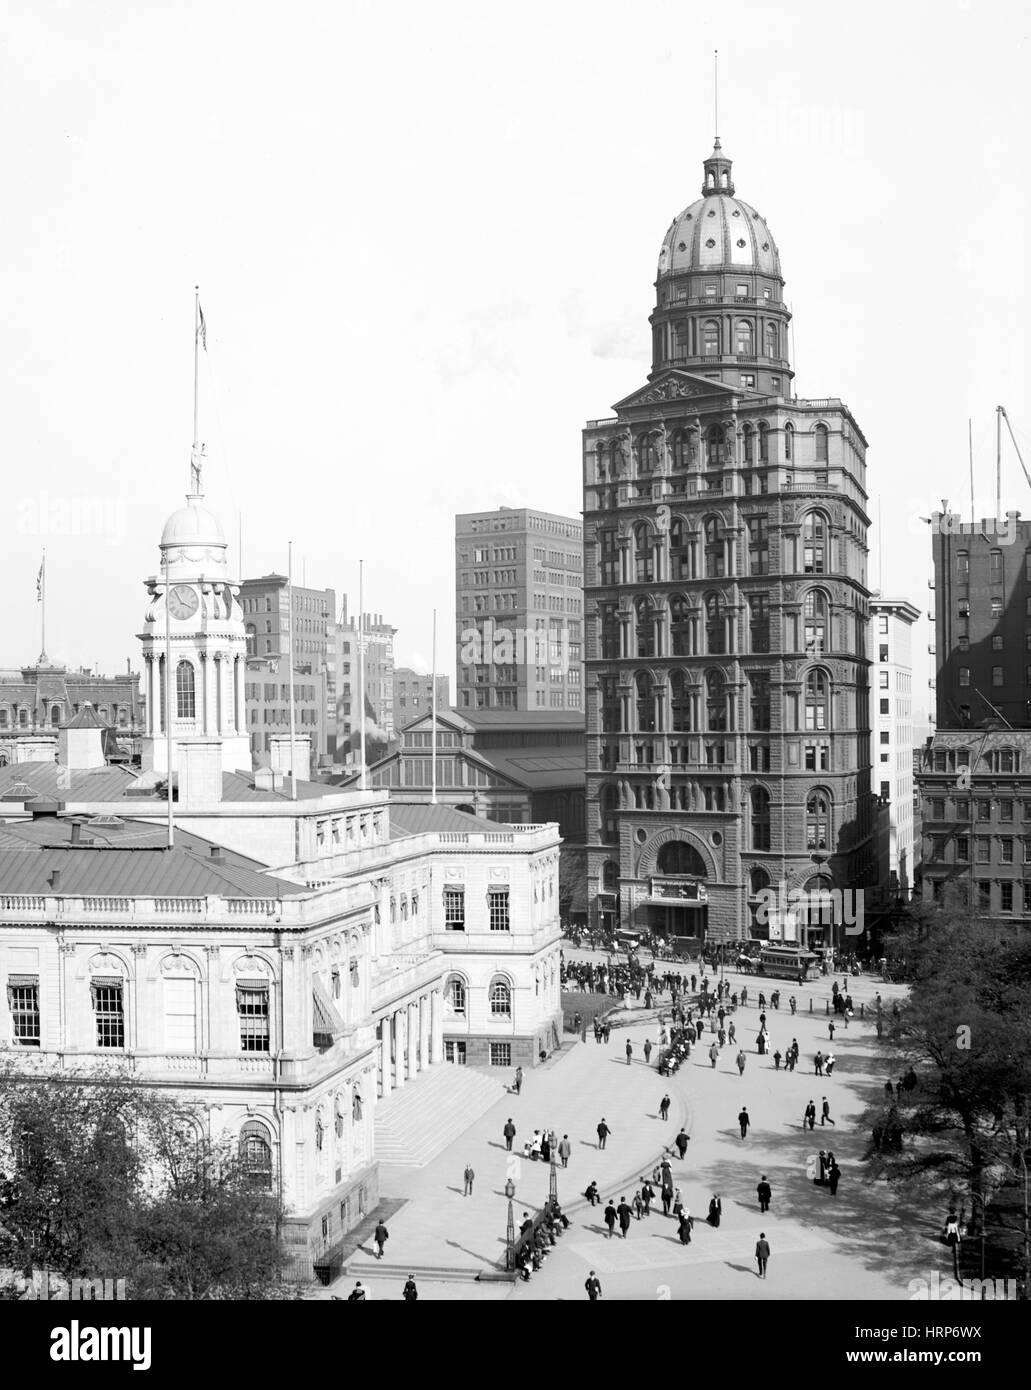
x=182, y=601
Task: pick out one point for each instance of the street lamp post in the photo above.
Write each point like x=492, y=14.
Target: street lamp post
x=553, y=1186
x=510, y=1232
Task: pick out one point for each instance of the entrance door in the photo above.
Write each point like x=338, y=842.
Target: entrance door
x=455, y=1052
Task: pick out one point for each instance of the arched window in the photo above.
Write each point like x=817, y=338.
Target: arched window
x=759, y=799
x=647, y=456
x=772, y=340
x=55, y=716
x=715, y=557
x=645, y=623
x=256, y=1155
x=644, y=563
x=815, y=613
x=820, y=440
x=743, y=339
x=5, y=718
x=680, y=350
x=817, y=821
x=609, y=630
x=185, y=696
x=679, y=551
x=681, y=449
x=764, y=442
x=252, y=647
x=454, y=994
x=716, y=446
x=680, y=702
x=817, y=700
x=758, y=879
x=715, y=626
x=679, y=626
x=645, y=703
x=789, y=441
x=23, y=718
x=995, y=567
x=678, y=857
x=814, y=544
x=748, y=444
x=501, y=999
x=710, y=338
x=715, y=702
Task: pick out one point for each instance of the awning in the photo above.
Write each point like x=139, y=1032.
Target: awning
x=326, y=1021
x=23, y=980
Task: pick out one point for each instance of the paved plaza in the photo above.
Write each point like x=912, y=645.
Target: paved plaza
x=865, y=1243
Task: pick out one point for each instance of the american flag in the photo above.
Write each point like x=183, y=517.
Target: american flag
x=39, y=581
x=202, y=328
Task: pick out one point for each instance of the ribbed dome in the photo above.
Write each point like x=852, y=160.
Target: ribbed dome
x=192, y=525
x=719, y=232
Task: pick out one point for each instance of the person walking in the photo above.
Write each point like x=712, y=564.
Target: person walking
x=410, y=1293
x=765, y=1192
x=776, y=1060
x=828, y=1064
x=830, y=1029
x=509, y=1132
x=647, y=1052
x=684, y=1227
x=624, y=1213
x=762, y=1253
x=629, y=1051
x=833, y=1176
x=744, y=996
x=518, y=1083
x=741, y=1062
x=469, y=1175
x=794, y=1005
x=825, y=1114
x=593, y=1195
x=610, y=1218
x=647, y=1196
x=731, y=1033
x=818, y=1064
x=809, y=1118
x=681, y=1142
x=714, y=1053
x=593, y=1286
x=607, y=1030
x=565, y=1148
x=664, y=1105
x=380, y=1235
x=744, y=1122
x=545, y=1147
x=715, y=1210
x=603, y=1133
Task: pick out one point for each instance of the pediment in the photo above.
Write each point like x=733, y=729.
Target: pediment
x=677, y=386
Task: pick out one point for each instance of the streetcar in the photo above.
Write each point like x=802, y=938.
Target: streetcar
x=788, y=962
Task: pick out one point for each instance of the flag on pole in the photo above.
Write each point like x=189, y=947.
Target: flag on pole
x=39, y=580
x=202, y=328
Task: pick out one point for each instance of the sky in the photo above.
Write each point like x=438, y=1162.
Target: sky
x=425, y=236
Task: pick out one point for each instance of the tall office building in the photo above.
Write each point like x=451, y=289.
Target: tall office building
x=413, y=695
x=377, y=640
x=519, y=610
x=975, y=778
x=891, y=655
x=725, y=544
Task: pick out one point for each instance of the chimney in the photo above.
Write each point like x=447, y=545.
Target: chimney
x=215, y=854
x=280, y=760
x=76, y=833
x=55, y=881
x=200, y=773
x=264, y=779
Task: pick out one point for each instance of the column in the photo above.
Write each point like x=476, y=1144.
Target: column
x=149, y=691
x=384, y=1057
x=239, y=671
x=412, y=1029
x=424, y=1031
x=399, y=1049
x=437, y=1026
x=205, y=693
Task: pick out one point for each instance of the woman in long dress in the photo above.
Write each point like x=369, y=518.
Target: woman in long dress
x=715, y=1210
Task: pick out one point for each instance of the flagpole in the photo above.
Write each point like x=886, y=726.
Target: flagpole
x=361, y=671
x=433, y=716
x=43, y=602
x=168, y=700
x=196, y=361
x=290, y=665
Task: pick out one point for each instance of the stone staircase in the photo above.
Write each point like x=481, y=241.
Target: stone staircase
x=417, y=1123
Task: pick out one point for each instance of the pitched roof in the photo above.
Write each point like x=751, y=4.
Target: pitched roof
x=419, y=817
x=87, y=718
x=50, y=781
x=525, y=718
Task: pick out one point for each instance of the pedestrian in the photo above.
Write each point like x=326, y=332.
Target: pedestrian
x=744, y=996
x=825, y=1115
x=592, y=1194
x=647, y=1196
x=684, y=1228
x=545, y=1147
x=638, y=1205
x=694, y=983
x=762, y=1253
x=833, y=1176
x=629, y=1051
x=776, y=1060
x=647, y=1052
x=715, y=1210
x=610, y=1218
x=410, y=1293
x=681, y=1142
x=509, y=1132
x=667, y=1198
x=664, y=1105
x=809, y=1118
x=357, y=1294
x=564, y=1150
x=765, y=1193
x=762, y=1002
x=741, y=1063
x=469, y=1175
x=518, y=1084
x=678, y=1204
x=762, y=1020
x=380, y=1235
x=818, y=1064
x=603, y=1132
x=830, y=1030
x=731, y=1033
x=889, y=1090
x=607, y=1030
x=828, y=1064
x=624, y=1213
x=714, y=1052
x=593, y=1286
x=744, y=1122
x=794, y=1004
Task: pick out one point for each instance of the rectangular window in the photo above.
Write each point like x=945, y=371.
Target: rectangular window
x=882, y=624
x=937, y=808
x=1005, y=897
x=1006, y=810
x=964, y=675
x=180, y=1015
x=497, y=900
x=984, y=849
x=984, y=808
x=1006, y=850
x=984, y=895
x=885, y=706
x=962, y=849
x=252, y=1008
x=883, y=652
x=454, y=909
x=883, y=680
x=107, y=1007
x=23, y=1002
x=501, y=1054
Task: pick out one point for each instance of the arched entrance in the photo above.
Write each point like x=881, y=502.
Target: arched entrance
x=678, y=905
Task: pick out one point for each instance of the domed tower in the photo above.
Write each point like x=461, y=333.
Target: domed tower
x=720, y=295
x=203, y=627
